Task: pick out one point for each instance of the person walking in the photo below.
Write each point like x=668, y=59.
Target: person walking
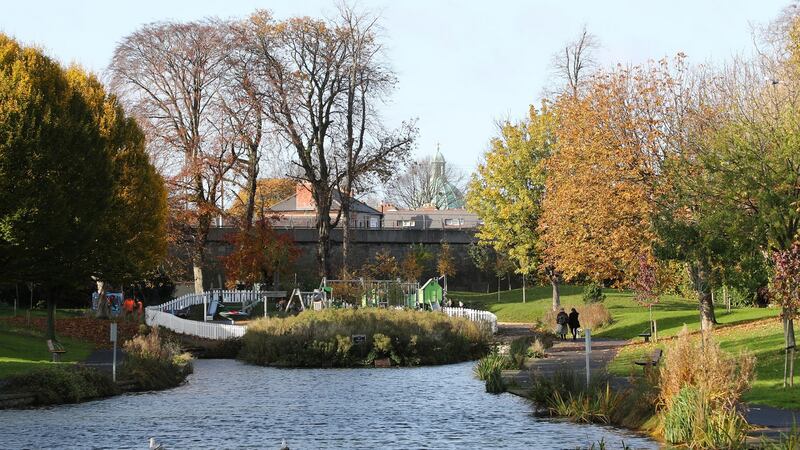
x=561, y=324
x=574, y=324
x=140, y=310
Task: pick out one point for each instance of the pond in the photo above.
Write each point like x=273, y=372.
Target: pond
x=227, y=404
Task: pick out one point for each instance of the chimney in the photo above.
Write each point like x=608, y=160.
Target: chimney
x=303, y=196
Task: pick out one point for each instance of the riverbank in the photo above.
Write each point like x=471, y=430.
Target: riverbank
x=628, y=401
x=30, y=378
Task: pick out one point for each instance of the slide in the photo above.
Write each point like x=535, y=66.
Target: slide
x=212, y=309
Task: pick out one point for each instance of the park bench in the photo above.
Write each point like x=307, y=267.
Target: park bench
x=646, y=335
x=56, y=349
x=652, y=361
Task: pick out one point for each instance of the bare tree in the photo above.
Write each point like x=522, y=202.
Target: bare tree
x=241, y=102
x=425, y=183
x=369, y=151
x=169, y=74
x=572, y=63
x=301, y=65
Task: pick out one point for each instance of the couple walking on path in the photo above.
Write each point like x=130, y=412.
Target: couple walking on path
x=563, y=320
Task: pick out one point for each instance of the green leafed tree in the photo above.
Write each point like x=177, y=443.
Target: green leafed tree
x=507, y=192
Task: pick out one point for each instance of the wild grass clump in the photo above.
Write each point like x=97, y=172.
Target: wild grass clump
x=494, y=361
x=324, y=338
x=591, y=315
x=526, y=347
x=565, y=394
x=61, y=384
x=155, y=362
x=700, y=387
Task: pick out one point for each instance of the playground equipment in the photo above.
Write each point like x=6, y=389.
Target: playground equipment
x=365, y=292
x=214, y=302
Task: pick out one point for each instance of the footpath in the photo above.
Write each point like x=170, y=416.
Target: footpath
x=571, y=356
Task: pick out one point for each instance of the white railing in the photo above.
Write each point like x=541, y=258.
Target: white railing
x=183, y=301
x=161, y=315
x=154, y=317
x=474, y=315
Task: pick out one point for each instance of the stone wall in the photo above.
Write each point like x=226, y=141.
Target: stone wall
x=365, y=244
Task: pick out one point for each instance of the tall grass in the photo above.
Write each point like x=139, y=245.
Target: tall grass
x=700, y=387
x=591, y=315
x=324, y=338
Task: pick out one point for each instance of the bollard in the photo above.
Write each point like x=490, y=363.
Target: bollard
x=588, y=334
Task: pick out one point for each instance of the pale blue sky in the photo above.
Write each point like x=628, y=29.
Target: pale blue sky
x=461, y=65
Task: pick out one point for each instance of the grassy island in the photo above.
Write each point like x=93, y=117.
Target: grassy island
x=359, y=337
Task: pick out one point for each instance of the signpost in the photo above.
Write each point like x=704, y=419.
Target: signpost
x=114, y=361
x=588, y=333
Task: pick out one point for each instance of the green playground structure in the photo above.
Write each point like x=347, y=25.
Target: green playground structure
x=380, y=293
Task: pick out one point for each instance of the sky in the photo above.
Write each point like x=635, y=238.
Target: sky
x=462, y=66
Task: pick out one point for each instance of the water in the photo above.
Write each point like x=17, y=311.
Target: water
x=227, y=404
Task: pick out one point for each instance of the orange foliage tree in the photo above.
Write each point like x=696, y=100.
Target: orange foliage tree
x=602, y=175
x=259, y=254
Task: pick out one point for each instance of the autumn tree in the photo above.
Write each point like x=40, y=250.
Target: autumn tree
x=414, y=262
x=785, y=289
x=259, y=254
x=382, y=266
x=445, y=262
x=269, y=191
x=507, y=192
x=170, y=75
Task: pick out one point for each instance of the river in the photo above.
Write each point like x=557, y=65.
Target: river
x=227, y=404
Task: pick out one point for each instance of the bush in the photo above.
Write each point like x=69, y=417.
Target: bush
x=593, y=293
x=323, y=338
x=155, y=362
x=63, y=384
x=699, y=389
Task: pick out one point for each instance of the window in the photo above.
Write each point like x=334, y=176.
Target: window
x=406, y=223
x=373, y=222
x=453, y=222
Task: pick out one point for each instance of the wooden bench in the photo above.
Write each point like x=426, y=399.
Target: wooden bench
x=646, y=335
x=652, y=361
x=56, y=349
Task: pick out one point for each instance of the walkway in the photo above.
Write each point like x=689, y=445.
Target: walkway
x=569, y=356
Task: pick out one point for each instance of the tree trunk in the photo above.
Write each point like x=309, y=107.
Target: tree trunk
x=554, y=281
x=789, y=345
x=51, y=314
x=699, y=275
x=523, y=288
x=345, y=205
x=102, y=305
x=509, y=282
x=324, y=244
x=197, y=268
x=252, y=189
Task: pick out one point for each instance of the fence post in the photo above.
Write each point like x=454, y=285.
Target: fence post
x=588, y=334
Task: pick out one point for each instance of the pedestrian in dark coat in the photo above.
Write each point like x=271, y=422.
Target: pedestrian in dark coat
x=573, y=323
x=561, y=324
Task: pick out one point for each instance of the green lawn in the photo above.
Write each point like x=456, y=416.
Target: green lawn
x=764, y=340
x=630, y=318
x=24, y=350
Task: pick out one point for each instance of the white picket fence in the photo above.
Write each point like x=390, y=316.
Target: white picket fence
x=162, y=315
x=198, y=299
x=154, y=317
x=474, y=315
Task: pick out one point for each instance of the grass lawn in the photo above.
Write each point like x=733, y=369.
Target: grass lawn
x=24, y=350
x=763, y=339
x=630, y=318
